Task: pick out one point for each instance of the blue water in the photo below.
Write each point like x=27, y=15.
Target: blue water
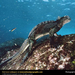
x=25, y=14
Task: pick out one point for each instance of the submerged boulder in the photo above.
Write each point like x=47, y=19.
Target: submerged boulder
x=44, y=57
x=9, y=45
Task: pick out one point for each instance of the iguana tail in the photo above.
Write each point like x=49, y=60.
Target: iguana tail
x=24, y=46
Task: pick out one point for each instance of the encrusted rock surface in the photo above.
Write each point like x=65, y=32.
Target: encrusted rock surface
x=45, y=58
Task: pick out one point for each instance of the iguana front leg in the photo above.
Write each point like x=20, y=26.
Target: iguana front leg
x=51, y=35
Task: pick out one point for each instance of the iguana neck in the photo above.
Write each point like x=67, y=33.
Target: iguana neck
x=60, y=24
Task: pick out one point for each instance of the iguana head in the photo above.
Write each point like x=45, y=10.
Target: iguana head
x=64, y=19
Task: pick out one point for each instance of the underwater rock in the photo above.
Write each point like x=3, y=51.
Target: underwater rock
x=10, y=45
x=43, y=57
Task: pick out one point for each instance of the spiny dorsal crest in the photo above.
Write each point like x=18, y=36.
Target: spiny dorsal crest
x=44, y=22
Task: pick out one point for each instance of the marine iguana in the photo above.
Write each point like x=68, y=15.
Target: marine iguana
x=42, y=29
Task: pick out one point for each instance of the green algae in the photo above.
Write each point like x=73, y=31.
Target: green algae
x=73, y=62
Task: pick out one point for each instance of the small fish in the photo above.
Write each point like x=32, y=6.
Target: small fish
x=12, y=29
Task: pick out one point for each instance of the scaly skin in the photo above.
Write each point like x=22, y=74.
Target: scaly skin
x=42, y=29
